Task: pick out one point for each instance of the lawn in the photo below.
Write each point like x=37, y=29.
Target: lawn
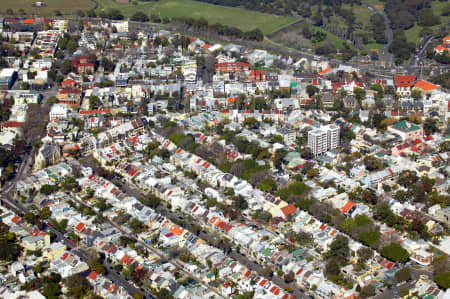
x=241, y=18
x=64, y=6
x=374, y=46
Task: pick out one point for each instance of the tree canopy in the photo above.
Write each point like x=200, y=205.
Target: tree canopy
x=395, y=252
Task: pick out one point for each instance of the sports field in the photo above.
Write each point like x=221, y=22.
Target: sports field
x=64, y=6
x=240, y=18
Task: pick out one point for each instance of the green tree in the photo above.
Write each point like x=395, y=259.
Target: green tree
x=312, y=173
x=45, y=213
x=369, y=237
x=70, y=184
x=367, y=291
x=403, y=274
x=263, y=216
x=67, y=66
x=51, y=290
x=339, y=250
x=140, y=17
x=136, y=225
x=295, y=188
x=359, y=94
x=430, y=126
x=94, y=102
x=395, y=252
x=332, y=268
x=48, y=189
x=77, y=286
x=250, y=122
x=37, y=269
x=138, y=295
x=427, y=18
x=267, y=185
x=30, y=217
x=416, y=94
x=443, y=280
x=289, y=277
x=267, y=272
x=96, y=266
x=311, y=90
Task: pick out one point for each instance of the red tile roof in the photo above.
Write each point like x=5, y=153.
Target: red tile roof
x=176, y=230
x=16, y=219
x=425, y=85
x=347, y=207
x=79, y=226
x=440, y=48
x=93, y=275
x=288, y=210
x=65, y=255
x=98, y=111
x=227, y=64
x=325, y=71
x=275, y=290
x=68, y=81
x=12, y=124
x=404, y=81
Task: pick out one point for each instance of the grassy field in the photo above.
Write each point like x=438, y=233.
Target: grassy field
x=338, y=42
x=127, y=9
x=295, y=40
x=241, y=18
x=64, y=6
x=376, y=3
x=413, y=34
x=362, y=14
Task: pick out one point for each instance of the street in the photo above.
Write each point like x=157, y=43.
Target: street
x=205, y=234
x=385, y=55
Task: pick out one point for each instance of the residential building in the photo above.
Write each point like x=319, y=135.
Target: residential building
x=323, y=139
x=231, y=67
x=37, y=242
x=404, y=84
x=426, y=87
x=406, y=130
x=287, y=134
x=60, y=112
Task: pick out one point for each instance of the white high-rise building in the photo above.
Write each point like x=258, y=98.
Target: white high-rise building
x=323, y=139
